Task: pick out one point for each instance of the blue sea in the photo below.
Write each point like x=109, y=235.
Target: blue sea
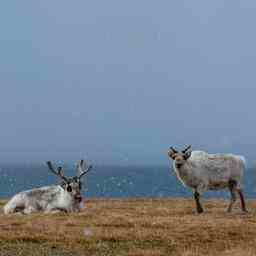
x=111, y=181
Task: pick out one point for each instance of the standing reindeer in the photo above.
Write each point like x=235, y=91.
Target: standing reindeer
x=202, y=171
x=64, y=197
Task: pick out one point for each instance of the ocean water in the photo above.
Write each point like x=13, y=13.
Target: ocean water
x=111, y=181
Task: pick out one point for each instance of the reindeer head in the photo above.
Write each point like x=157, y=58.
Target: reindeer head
x=179, y=158
x=72, y=185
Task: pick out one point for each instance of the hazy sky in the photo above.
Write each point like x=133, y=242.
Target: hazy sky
x=121, y=81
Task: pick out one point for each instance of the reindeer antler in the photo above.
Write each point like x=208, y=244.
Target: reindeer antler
x=186, y=149
x=80, y=168
x=58, y=172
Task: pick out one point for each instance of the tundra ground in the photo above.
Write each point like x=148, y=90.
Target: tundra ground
x=143, y=227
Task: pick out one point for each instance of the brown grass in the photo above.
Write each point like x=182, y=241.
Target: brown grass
x=141, y=227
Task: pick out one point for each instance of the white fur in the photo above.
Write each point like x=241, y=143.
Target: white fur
x=45, y=199
x=203, y=171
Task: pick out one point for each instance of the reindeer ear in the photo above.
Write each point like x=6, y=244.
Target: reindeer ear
x=187, y=155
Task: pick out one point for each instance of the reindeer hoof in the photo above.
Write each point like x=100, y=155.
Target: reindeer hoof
x=200, y=210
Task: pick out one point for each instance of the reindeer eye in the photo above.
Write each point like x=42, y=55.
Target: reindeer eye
x=69, y=188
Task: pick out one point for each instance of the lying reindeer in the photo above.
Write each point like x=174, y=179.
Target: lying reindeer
x=64, y=197
x=202, y=171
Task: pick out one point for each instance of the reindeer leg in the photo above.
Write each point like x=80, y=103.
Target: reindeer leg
x=29, y=210
x=53, y=210
x=199, y=208
x=198, y=192
x=241, y=195
x=232, y=188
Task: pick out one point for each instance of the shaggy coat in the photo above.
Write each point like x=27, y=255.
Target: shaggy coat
x=65, y=197
x=211, y=171
x=202, y=172
x=46, y=199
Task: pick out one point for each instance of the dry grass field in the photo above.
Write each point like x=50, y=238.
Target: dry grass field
x=143, y=227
